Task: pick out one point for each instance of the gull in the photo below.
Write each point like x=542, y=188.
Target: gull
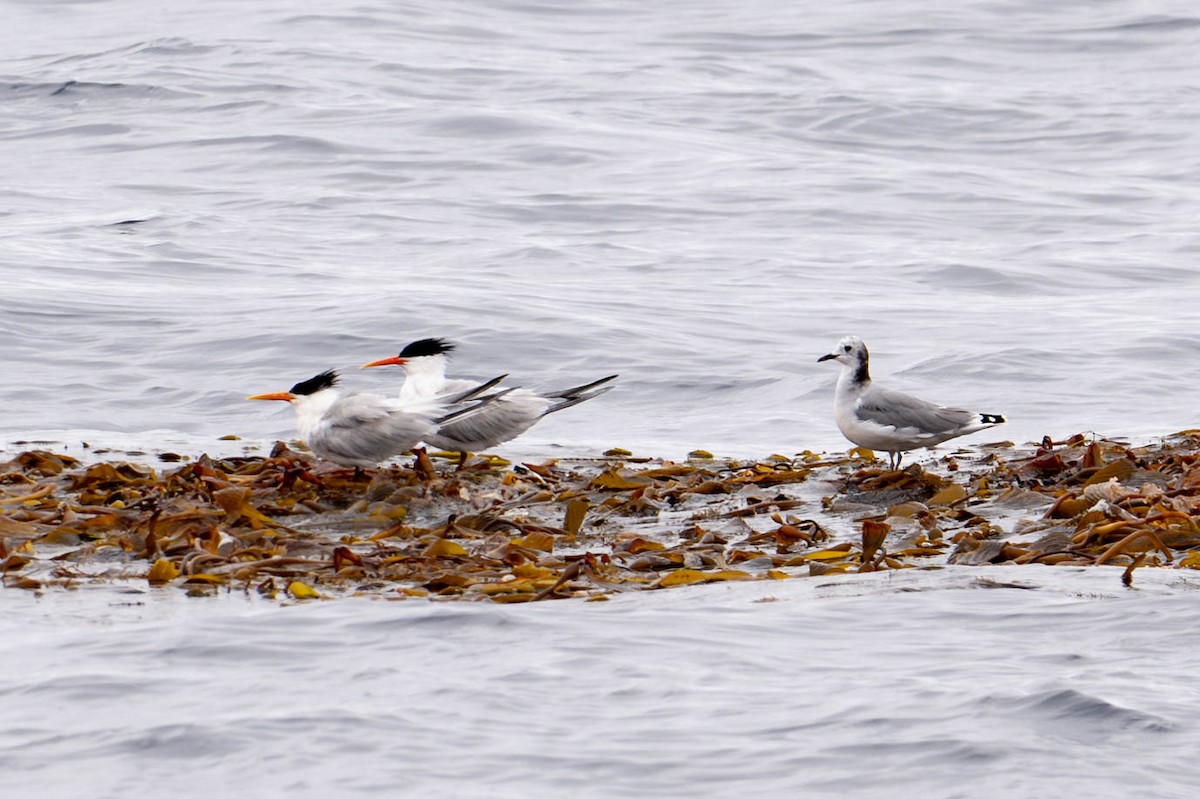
x=882, y=419
x=509, y=416
x=361, y=429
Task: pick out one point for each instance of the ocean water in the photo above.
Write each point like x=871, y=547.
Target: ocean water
x=968, y=682
x=207, y=200
x=201, y=201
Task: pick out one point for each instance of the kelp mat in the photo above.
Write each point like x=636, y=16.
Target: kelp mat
x=289, y=527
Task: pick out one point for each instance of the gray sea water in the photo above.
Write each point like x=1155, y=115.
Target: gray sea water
x=206, y=200
x=203, y=200
x=969, y=682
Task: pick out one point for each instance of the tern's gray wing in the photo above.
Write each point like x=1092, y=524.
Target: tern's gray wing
x=365, y=429
x=476, y=391
x=902, y=411
x=355, y=410
x=458, y=390
x=505, y=418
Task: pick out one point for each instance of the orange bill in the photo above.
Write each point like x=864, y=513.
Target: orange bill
x=395, y=360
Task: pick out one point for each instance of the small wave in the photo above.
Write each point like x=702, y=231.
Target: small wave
x=73, y=131
x=72, y=89
x=171, y=742
x=479, y=126
x=87, y=687
x=724, y=42
x=554, y=155
x=1154, y=25
x=977, y=278
x=360, y=20
x=440, y=619
x=274, y=143
x=1080, y=715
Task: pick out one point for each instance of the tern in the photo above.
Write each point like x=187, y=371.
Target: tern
x=361, y=429
x=882, y=419
x=509, y=416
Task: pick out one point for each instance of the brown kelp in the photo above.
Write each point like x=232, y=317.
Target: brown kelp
x=290, y=527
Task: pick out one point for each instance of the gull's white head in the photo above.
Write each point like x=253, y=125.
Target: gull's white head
x=850, y=351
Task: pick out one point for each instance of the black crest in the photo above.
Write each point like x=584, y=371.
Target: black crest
x=427, y=346
x=326, y=379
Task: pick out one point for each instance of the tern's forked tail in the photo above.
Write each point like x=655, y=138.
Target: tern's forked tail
x=578, y=394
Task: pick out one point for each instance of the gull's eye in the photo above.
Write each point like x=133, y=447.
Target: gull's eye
x=845, y=348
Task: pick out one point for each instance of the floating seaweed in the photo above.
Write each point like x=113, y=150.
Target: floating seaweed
x=289, y=527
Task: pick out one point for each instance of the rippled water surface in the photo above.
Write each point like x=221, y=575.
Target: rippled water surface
x=961, y=683
x=206, y=200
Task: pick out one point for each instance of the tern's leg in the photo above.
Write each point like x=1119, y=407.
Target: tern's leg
x=354, y=475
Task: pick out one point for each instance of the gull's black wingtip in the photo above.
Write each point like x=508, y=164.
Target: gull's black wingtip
x=992, y=418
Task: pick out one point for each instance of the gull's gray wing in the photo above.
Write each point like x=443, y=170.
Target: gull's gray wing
x=902, y=411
